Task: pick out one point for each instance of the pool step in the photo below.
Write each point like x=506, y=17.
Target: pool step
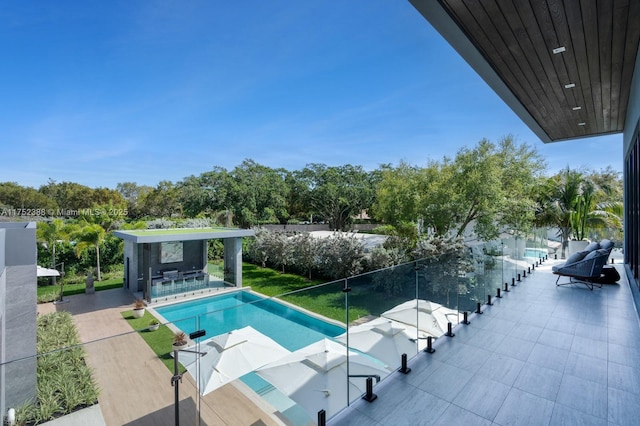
x=265, y=389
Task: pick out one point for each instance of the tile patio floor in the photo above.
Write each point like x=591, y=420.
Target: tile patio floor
x=541, y=355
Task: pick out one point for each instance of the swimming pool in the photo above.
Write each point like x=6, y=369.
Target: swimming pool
x=289, y=327
x=535, y=253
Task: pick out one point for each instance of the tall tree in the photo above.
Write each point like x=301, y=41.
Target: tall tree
x=15, y=196
x=486, y=187
x=338, y=193
x=258, y=194
x=134, y=195
x=163, y=201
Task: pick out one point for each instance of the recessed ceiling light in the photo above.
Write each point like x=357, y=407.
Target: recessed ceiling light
x=576, y=108
x=582, y=124
x=569, y=86
x=559, y=50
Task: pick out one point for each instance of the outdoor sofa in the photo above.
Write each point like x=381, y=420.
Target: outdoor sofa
x=588, y=266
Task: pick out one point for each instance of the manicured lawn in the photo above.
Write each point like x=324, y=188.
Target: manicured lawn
x=328, y=300
x=174, y=231
x=160, y=340
x=49, y=293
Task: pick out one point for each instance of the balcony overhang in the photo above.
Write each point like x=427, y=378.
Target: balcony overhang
x=564, y=67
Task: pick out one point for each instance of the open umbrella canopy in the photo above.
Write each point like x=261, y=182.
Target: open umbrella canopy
x=46, y=272
x=383, y=339
x=315, y=377
x=230, y=356
x=429, y=317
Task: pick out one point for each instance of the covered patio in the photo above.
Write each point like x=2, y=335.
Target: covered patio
x=165, y=262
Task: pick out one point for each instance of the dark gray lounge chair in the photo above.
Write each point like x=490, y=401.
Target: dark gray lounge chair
x=585, y=267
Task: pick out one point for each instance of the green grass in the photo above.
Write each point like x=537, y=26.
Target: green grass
x=147, y=232
x=159, y=341
x=49, y=293
x=328, y=301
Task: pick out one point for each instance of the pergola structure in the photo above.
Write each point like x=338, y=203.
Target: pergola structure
x=158, y=256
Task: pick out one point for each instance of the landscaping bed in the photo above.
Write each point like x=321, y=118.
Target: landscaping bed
x=64, y=381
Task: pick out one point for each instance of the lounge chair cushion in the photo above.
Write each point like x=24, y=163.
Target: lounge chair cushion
x=576, y=257
x=606, y=244
x=595, y=253
x=592, y=246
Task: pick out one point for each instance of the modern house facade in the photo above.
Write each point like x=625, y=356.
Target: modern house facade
x=569, y=69
x=18, y=258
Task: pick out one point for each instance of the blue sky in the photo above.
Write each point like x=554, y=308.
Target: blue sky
x=101, y=92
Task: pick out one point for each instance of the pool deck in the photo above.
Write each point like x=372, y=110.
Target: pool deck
x=135, y=385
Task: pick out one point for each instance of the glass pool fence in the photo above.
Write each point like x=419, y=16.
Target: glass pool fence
x=296, y=358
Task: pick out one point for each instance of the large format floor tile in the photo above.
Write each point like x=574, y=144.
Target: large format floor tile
x=541, y=355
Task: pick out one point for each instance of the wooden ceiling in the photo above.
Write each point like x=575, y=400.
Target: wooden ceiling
x=517, y=39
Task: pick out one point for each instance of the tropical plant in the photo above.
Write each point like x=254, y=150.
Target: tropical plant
x=576, y=203
x=64, y=381
x=50, y=233
x=179, y=338
x=87, y=237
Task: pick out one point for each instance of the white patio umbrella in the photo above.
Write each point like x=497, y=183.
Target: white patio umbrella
x=230, y=356
x=46, y=272
x=429, y=317
x=315, y=377
x=383, y=339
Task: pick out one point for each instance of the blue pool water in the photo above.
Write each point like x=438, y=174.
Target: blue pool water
x=291, y=328
x=535, y=253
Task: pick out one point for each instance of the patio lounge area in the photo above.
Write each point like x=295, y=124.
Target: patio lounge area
x=540, y=355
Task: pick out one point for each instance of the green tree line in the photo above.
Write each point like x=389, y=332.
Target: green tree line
x=483, y=190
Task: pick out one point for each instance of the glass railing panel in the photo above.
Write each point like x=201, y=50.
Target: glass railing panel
x=377, y=330
x=313, y=376
x=487, y=274
x=516, y=261
x=184, y=285
x=536, y=246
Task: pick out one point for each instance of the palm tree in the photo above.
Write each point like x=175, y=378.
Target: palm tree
x=50, y=233
x=556, y=202
x=575, y=203
x=591, y=213
x=87, y=237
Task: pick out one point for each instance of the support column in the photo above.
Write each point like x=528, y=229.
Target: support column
x=233, y=261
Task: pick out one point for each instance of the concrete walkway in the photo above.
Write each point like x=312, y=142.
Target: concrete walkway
x=135, y=385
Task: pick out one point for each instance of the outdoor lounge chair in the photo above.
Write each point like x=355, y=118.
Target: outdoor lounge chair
x=585, y=267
